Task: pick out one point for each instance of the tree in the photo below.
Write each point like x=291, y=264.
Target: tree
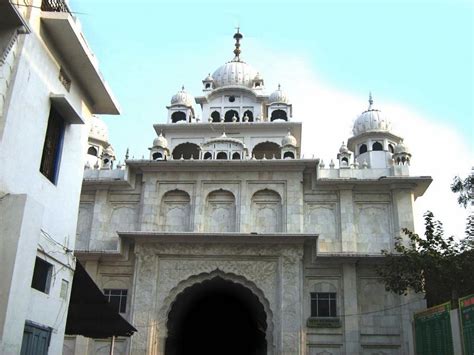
x=438, y=266
x=464, y=189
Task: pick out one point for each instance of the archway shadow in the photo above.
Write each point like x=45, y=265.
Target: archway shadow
x=216, y=316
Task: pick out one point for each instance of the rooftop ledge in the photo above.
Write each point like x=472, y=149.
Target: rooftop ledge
x=72, y=46
x=222, y=238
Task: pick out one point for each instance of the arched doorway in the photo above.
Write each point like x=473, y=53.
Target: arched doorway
x=216, y=316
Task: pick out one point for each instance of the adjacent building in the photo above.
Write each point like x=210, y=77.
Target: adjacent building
x=50, y=88
x=225, y=240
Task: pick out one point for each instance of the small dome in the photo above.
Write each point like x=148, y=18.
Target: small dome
x=208, y=77
x=278, y=96
x=371, y=120
x=289, y=139
x=234, y=73
x=257, y=77
x=109, y=151
x=343, y=149
x=98, y=130
x=182, y=98
x=401, y=148
x=160, y=141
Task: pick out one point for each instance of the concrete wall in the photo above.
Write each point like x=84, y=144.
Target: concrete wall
x=39, y=218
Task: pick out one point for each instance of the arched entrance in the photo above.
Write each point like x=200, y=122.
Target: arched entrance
x=216, y=316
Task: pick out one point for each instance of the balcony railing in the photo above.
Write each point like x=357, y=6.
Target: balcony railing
x=55, y=6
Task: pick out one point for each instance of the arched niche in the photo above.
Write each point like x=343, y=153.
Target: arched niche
x=249, y=115
x=220, y=215
x=267, y=150
x=377, y=146
x=362, y=149
x=221, y=156
x=266, y=210
x=279, y=115
x=289, y=155
x=92, y=151
x=207, y=155
x=157, y=156
x=216, y=116
x=186, y=150
x=236, y=156
x=178, y=116
x=175, y=211
x=229, y=116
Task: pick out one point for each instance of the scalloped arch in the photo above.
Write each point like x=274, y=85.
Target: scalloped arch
x=207, y=276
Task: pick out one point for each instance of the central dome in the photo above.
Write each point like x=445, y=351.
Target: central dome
x=234, y=73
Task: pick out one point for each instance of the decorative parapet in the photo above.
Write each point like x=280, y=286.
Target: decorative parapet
x=361, y=173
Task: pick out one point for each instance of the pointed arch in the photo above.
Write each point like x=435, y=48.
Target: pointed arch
x=229, y=115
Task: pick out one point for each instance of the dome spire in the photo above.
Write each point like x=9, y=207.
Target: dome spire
x=237, y=36
x=371, y=101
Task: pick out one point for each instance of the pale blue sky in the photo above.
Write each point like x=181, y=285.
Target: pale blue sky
x=417, y=57
x=419, y=53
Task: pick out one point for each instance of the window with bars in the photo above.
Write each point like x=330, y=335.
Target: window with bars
x=118, y=298
x=52, y=146
x=323, y=304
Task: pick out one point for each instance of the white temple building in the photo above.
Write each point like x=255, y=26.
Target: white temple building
x=226, y=241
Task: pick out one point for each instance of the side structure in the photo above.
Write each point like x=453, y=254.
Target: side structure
x=226, y=220
x=50, y=88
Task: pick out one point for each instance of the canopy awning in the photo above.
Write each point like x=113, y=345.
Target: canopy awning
x=90, y=314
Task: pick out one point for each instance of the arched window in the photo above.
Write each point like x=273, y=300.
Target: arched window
x=229, y=116
x=267, y=150
x=345, y=160
x=390, y=148
x=266, y=211
x=220, y=211
x=186, y=150
x=279, y=115
x=236, y=156
x=208, y=85
x=175, y=211
x=157, y=156
x=92, y=151
x=221, y=156
x=208, y=155
x=289, y=155
x=249, y=114
x=377, y=146
x=362, y=149
x=216, y=116
x=178, y=116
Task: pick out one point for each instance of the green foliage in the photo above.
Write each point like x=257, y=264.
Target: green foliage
x=438, y=266
x=464, y=189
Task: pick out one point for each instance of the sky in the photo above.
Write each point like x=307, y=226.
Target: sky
x=416, y=57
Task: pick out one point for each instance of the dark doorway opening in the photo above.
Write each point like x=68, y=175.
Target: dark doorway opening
x=214, y=317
